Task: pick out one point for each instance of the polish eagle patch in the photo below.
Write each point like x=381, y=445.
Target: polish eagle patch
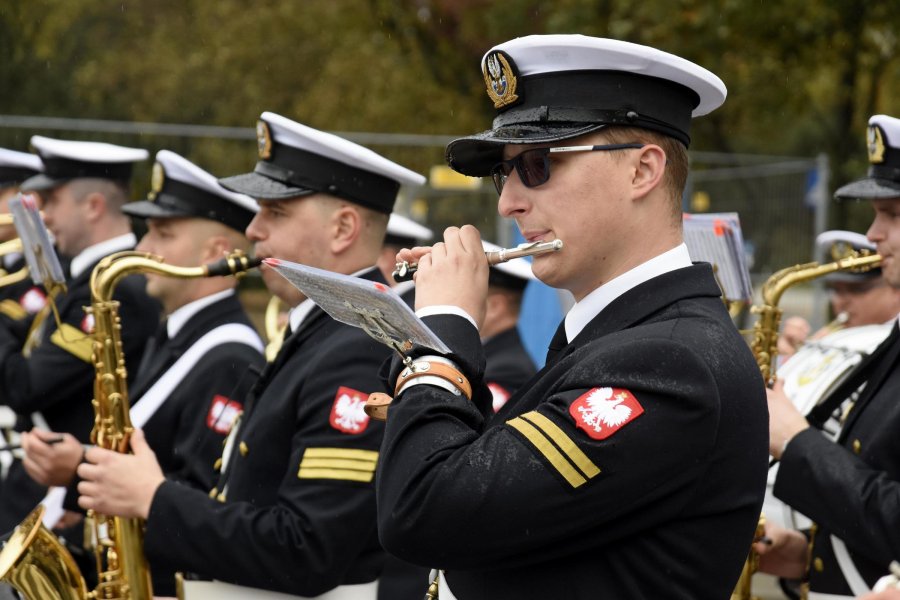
x=499, y=394
x=33, y=300
x=222, y=413
x=87, y=324
x=601, y=412
x=348, y=413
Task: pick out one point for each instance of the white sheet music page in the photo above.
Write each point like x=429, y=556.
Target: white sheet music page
x=369, y=305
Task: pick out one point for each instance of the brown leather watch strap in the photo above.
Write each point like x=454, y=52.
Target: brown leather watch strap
x=423, y=368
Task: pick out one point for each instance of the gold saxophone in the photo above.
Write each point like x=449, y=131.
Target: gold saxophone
x=764, y=345
x=34, y=561
x=8, y=247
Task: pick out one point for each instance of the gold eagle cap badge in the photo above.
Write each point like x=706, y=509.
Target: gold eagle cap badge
x=263, y=140
x=500, y=79
x=875, y=143
x=157, y=179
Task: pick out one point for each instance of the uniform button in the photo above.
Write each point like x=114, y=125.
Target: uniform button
x=221, y=497
x=218, y=464
x=857, y=446
x=244, y=449
x=213, y=492
x=818, y=565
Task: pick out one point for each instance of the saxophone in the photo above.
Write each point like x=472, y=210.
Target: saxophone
x=764, y=344
x=34, y=561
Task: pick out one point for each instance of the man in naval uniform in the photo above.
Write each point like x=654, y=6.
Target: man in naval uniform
x=84, y=186
x=196, y=371
x=293, y=512
x=850, y=488
x=633, y=465
x=857, y=298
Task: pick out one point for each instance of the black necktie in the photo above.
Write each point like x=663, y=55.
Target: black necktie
x=558, y=342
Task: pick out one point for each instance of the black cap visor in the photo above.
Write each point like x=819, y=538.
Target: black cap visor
x=263, y=188
x=870, y=188
x=475, y=155
x=42, y=183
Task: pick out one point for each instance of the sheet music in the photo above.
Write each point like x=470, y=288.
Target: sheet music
x=716, y=238
x=40, y=255
x=369, y=305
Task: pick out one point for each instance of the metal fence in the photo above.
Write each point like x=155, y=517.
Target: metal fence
x=782, y=200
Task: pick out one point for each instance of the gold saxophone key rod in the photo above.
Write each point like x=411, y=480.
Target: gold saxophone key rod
x=403, y=271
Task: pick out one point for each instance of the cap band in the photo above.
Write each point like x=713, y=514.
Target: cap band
x=187, y=200
x=884, y=172
x=572, y=97
x=64, y=168
x=315, y=172
x=10, y=176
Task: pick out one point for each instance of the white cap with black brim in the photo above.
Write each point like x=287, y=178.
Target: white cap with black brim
x=179, y=188
x=16, y=167
x=66, y=160
x=404, y=232
x=883, y=178
x=548, y=88
x=296, y=160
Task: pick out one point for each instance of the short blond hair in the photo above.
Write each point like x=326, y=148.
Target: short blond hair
x=677, y=164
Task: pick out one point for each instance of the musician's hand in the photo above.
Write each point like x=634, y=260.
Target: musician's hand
x=120, y=485
x=785, y=421
x=454, y=272
x=51, y=464
x=782, y=552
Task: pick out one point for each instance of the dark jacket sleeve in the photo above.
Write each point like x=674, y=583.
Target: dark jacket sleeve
x=832, y=485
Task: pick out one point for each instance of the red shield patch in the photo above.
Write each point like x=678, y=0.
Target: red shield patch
x=87, y=324
x=500, y=395
x=601, y=412
x=33, y=300
x=348, y=413
x=222, y=413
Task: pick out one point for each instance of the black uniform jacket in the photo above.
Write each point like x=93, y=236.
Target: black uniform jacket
x=58, y=378
x=297, y=509
x=508, y=364
x=549, y=501
x=187, y=431
x=851, y=488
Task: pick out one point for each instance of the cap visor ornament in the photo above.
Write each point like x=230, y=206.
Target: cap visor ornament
x=263, y=140
x=500, y=79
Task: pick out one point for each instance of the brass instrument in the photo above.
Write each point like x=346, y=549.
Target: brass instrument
x=37, y=564
x=403, y=271
x=764, y=345
x=9, y=247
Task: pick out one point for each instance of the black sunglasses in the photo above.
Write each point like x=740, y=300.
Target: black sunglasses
x=533, y=166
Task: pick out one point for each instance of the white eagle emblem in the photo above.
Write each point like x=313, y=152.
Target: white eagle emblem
x=348, y=413
x=604, y=409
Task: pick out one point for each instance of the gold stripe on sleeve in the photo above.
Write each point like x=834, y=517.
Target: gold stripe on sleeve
x=549, y=451
x=565, y=443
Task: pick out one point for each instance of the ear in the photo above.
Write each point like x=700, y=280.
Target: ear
x=346, y=226
x=214, y=248
x=95, y=206
x=650, y=167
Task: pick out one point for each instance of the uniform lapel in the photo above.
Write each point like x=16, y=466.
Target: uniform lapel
x=881, y=372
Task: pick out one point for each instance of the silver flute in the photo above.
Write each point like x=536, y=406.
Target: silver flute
x=403, y=271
